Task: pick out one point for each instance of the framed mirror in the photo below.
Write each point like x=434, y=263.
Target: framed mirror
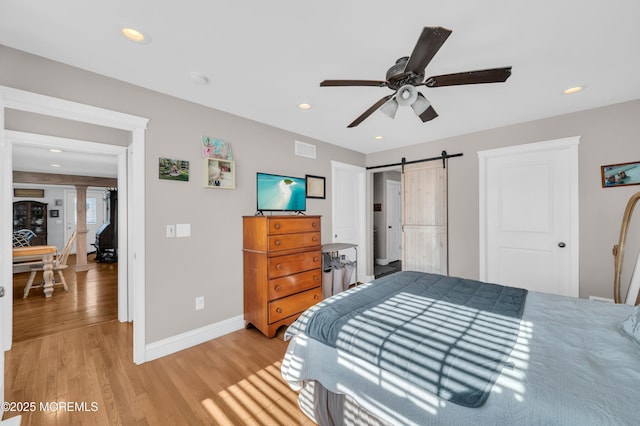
x=626, y=284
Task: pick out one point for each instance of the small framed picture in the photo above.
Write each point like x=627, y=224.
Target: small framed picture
x=621, y=174
x=54, y=213
x=172, y=169
x=219, y=173
x=316, y=186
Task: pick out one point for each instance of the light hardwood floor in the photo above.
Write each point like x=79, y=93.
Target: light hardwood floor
x=92, y=298
x=232, y=380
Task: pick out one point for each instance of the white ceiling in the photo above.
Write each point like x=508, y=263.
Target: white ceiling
x=263, y=58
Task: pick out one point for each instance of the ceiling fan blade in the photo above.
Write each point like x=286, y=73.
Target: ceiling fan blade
x=428, y=114
x=332, y=83
x=430, y=41
x=494, y=75
x=370, y=111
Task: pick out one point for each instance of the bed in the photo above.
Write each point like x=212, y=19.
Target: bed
x=406, y=349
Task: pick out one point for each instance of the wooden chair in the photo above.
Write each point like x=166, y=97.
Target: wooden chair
x=59, y=265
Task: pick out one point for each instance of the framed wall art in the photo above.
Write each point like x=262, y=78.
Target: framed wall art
x=316, y=186
x=170, y=169
x=621, y=174
x=219, y=173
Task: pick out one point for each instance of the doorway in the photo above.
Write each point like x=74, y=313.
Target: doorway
x=95, y=215
x=131, y=169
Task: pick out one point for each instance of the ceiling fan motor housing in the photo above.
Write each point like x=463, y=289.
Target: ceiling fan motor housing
x=397, y=77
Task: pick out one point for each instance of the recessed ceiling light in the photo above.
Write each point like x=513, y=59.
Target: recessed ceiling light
x=55, y=165
x=55, y=150
x=135, y=35
x=379, y=138
x=199, y=79
x=304, y=106
x=574, y=89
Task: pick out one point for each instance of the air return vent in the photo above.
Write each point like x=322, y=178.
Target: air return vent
x=305, y=150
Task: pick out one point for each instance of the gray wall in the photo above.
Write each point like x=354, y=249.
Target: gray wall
x=608, y=135
x=209, y=263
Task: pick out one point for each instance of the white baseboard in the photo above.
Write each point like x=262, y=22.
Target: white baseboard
x=191, y=338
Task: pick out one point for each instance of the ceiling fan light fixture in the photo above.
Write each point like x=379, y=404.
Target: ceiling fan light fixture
x=406, y=95
x=390, y=108
x=421, y=104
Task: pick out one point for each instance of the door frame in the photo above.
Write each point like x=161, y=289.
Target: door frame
x=397, y=251
x=131, y=164
x=571, y=144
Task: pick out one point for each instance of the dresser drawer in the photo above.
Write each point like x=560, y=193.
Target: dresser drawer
x=285, y=286
x=280, y=266
x=292, y=241
x=283, y=308
x=289, y=226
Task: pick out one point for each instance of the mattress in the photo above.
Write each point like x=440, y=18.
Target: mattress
x=570, y=366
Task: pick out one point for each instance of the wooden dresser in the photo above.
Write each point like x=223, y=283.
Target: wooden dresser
x=282, y=269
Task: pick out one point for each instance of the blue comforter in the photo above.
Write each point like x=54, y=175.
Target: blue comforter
x=447, y=335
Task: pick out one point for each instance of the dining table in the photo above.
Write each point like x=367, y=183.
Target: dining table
x=44, y=253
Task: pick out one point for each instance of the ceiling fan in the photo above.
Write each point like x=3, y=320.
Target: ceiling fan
x=408, y=73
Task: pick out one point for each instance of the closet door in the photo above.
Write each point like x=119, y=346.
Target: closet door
x=425, y=218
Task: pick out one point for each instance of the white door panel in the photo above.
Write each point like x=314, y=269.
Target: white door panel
x=348, y=214
x=529, y=211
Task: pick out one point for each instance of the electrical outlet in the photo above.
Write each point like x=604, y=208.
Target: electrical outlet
x=199, y=303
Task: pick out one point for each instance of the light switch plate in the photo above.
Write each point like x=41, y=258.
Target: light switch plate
x=183, y=230
x=171, y=231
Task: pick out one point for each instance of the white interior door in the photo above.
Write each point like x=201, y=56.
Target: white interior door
x=424, y=211
x=530, y=217
x=394, y=222
x=348, y=195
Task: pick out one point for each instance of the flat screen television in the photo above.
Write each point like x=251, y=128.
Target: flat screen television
x=280, y=193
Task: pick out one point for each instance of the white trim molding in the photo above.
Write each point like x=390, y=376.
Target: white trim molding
x=195, y=337
x=12, y=98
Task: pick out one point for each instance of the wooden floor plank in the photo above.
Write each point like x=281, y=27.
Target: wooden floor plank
x=83, y=355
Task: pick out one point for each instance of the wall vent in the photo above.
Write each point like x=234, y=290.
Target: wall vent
x=305, y=150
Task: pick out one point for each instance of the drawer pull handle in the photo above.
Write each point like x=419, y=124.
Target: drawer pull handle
x=277, y=226
x=278, y=242
x=315, y=278
x=277, y=288
x=313, y=224
x=316, y=297
x=314, y=238
x=315, y=258
x=279, y=310
x=278, y=266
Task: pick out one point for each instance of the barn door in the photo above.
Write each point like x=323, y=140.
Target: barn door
x=424, y=197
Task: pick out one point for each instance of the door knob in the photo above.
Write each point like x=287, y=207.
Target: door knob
x=561, y=244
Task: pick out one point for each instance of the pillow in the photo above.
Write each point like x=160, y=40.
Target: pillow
x=631, y=326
